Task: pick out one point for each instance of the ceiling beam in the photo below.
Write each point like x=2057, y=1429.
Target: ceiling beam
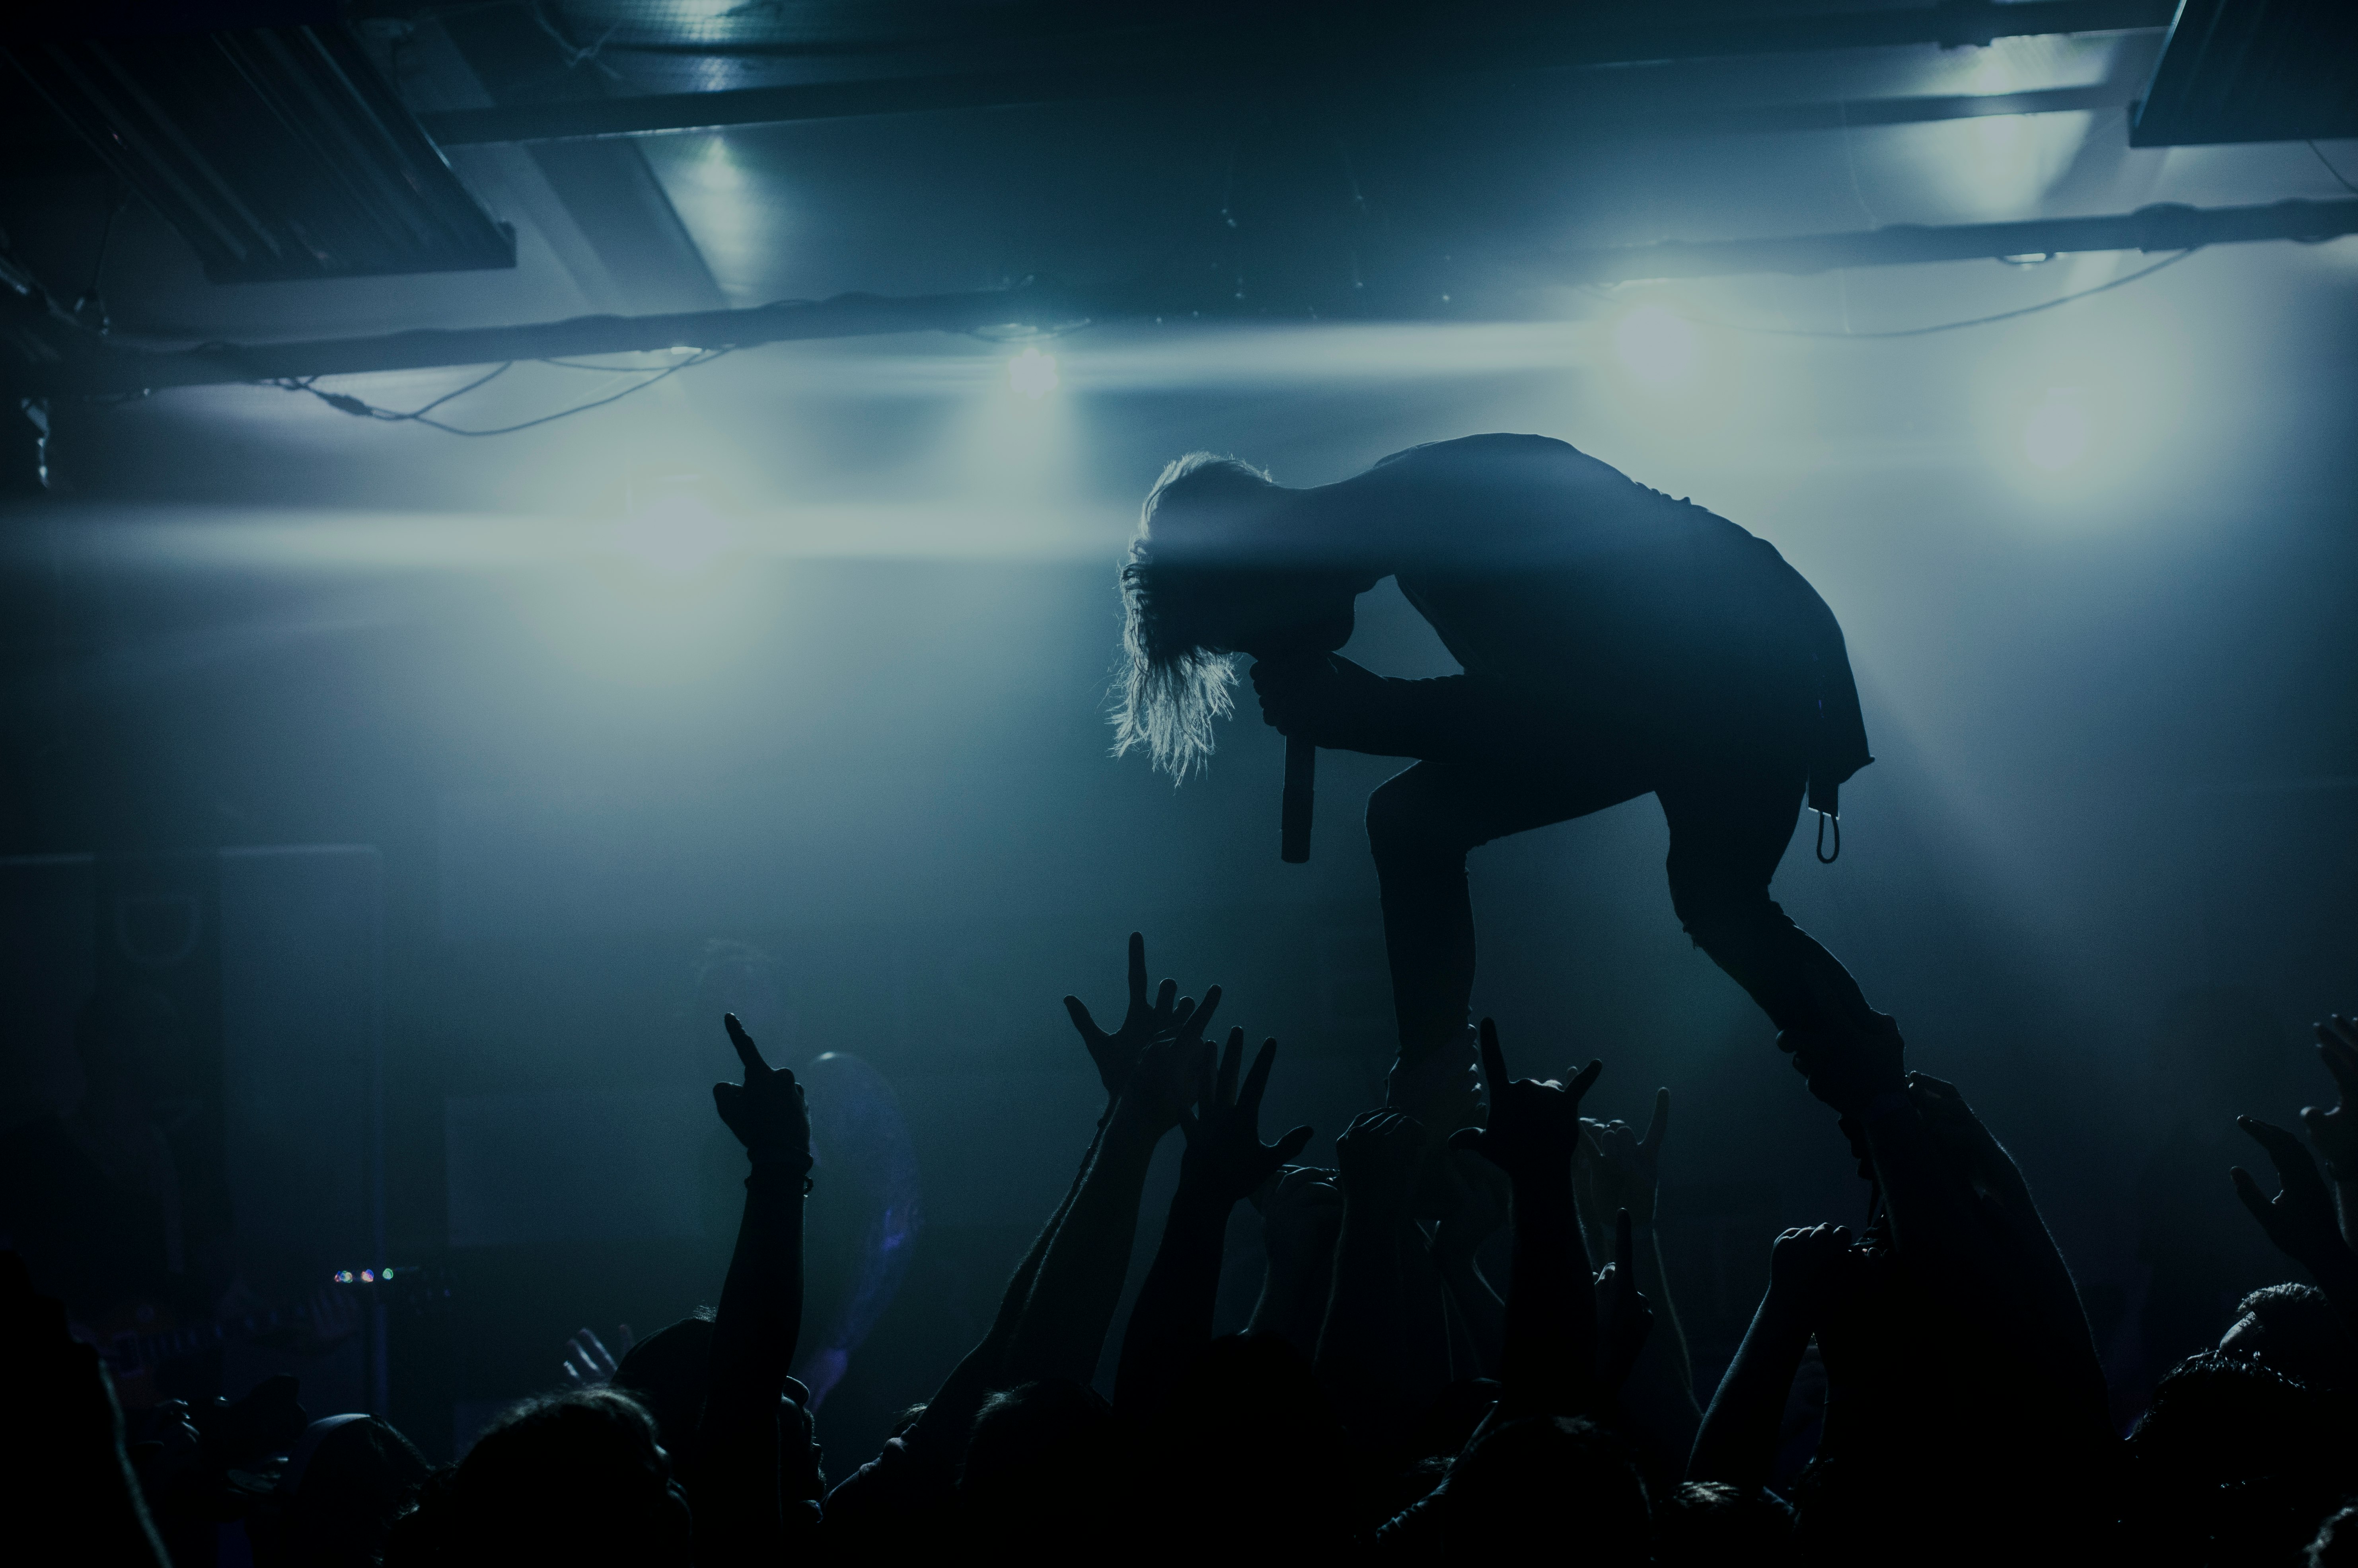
x=1228, y=63
x=2158, y=228
x=66, y=360
x=55, y=357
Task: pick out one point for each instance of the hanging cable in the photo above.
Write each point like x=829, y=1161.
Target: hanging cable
x=1948, y=326
x=2339, y=177
x=345, y=402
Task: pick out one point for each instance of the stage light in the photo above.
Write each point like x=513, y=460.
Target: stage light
x=2058, y=433
x=674, y=529
x=1031, y=374
x=1656, y=344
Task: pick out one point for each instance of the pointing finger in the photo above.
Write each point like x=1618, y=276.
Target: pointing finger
x=1494, y=1061
x=1201, y=1019
x=1658, y=1126
x=1079, y=1015
x=1580, y=1086
x=1137, y=969
x=747, y=1052
x=1224, y=1088
x=1292, y=1143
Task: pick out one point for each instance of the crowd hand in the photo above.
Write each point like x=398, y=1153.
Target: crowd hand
x=1301, y=1207
x=268, y=1419
x=2299, y=1219
x=766, y=1112
x=1378, y=1153
x=1226, y=1160
x=1474, y=1204
x=1952, y=1124
x=2335, y=1131
x=1168, y=1016
x=1535, y=1131
x=589, y=1364
x=1624, y=1170
x=1170, y=1076
x=1806, y=1267
x=1624, y=1316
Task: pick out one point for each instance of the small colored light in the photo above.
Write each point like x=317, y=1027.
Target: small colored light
x=368, y=1276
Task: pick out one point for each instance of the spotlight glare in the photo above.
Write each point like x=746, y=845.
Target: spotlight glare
x=2057, y=434
x=678, y=534
x=1656, y=344
x=1031, y=374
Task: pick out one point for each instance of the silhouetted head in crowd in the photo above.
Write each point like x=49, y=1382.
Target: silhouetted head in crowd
x=666, y=1372
x=1709, y=1524
x=574, y=1478
x=2233, y=1463
x=1042, y=1466
x=1546, y=1479
x=340, y=1492
x=2294, y=1329
x=1246, y=1444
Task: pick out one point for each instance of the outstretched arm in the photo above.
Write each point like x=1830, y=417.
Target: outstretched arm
x=2034, y=1279
x=1226, y=1160
x=1548, y=1364
x=1738, y=1442
x=753, y=1332
x=1151, y=1067
x=1360, y=1358
x=1302, y=1216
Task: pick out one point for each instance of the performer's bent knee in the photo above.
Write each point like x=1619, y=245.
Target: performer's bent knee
x=1402, y=821
x=1709, y=911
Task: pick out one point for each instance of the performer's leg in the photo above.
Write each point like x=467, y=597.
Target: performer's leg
x=1421, y=823
x=1730, y=822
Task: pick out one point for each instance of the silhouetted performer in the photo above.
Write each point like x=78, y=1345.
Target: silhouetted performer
x=1615, y=643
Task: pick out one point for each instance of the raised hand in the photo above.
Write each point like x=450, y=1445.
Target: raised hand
x=2335, y=1131
x=1226, y=1160
x=1624, y=1318
x=1168, y=1015
x=1534, y=1128
x=588, y=1363
x=766, y=1112
x=1379, y=1155
x=1624, y=1169
x=1170, y=1076
x=2299, y=1219
x=1805, y=1269
x=1300, y=1209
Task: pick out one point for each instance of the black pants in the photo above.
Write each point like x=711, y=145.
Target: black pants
x=1731, y=813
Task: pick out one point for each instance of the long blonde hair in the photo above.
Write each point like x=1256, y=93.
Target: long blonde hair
x=1174, y=682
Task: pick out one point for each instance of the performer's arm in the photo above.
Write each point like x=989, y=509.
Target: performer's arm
x=1343, y=706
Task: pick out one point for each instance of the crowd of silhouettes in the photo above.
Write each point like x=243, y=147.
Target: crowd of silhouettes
x=1404, y=1393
